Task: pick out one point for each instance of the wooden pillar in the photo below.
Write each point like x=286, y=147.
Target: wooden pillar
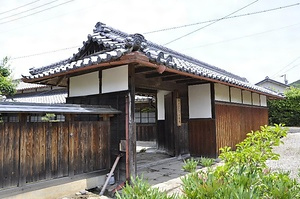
x=176, y=122
x=131, y=123
x=106, y=120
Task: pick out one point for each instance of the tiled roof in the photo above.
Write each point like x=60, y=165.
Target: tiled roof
x=267, y=79
x=49, y=97
x=25, y=86
x=111, y=44
x=16, y=107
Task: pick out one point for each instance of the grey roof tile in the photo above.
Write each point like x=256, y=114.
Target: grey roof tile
x=17, y=107
x=113, y=43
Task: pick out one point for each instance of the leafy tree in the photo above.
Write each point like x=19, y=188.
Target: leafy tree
x=7, y=86
x=286, y=111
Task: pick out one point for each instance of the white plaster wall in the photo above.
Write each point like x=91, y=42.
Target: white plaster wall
x=222, y=92
x=199, y=101
x=255, y=99
x=87, y=84
x=263, y=100
x=247, y=97
x=236, y=95
x=115, y=79
x=161, y=104
x=273, y=87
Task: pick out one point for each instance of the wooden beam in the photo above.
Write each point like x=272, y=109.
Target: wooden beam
x=60, y=79
x=156, y=74
x=206, y=78
x=174, y=77
x=141, y=70
x=145, y=91
x=190, y=81
x=156, y=84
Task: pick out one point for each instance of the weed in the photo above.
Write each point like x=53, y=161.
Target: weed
x=190, y=165
x=141, y=189
x=206, y=162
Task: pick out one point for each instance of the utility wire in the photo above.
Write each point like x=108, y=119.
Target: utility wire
x=210, y=23
x=36, y=54
x=1, y=13
x=58, y=50
x=28, y=10
x=292, y=68
x=209, y=44
x=245, y=36
x=37, y=12
x=229, y=17
x=286, y=67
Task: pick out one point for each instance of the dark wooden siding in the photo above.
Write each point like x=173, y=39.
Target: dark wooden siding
x=9, y=155
x=31, y=152
x=146, y=132
x=116, y=100
x=161, y=138
x=202, y=137
x=233, y=122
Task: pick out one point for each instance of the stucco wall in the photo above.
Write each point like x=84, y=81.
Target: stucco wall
x=199, y=101
x=87, y=84
x=115, y=79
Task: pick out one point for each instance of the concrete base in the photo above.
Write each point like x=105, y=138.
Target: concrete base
x=59, y=191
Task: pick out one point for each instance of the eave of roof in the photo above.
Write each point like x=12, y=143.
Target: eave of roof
x=17, y=107
x=120, y=48
x=272, y=81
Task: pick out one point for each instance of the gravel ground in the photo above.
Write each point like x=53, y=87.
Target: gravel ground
x=289, y=154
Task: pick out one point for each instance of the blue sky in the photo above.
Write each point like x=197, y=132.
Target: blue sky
x=254, y=46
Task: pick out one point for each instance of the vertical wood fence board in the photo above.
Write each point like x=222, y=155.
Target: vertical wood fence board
x=48, y=159
x=9, y=152
x=233, y=122
x=146, y=132
x=54, y=153
x=65, y=149
x=42, y=155
x=202, y=137
x=2, y=139
x=31, y=152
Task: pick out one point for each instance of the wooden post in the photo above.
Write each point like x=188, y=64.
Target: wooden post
x=132, y=126
x=106, y=119
x=175, y=122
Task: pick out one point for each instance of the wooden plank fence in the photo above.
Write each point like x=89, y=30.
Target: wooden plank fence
x=36, y=151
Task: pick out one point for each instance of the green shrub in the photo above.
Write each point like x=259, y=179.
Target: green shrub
x=287, y=110
x=190, y=165
x=140, y=189
x=206, y=162
x=244, y=173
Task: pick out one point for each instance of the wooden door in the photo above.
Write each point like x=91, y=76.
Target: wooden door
x=169, y=124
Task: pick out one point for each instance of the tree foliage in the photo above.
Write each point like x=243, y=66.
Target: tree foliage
x=286, y=111
x=7, y=86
